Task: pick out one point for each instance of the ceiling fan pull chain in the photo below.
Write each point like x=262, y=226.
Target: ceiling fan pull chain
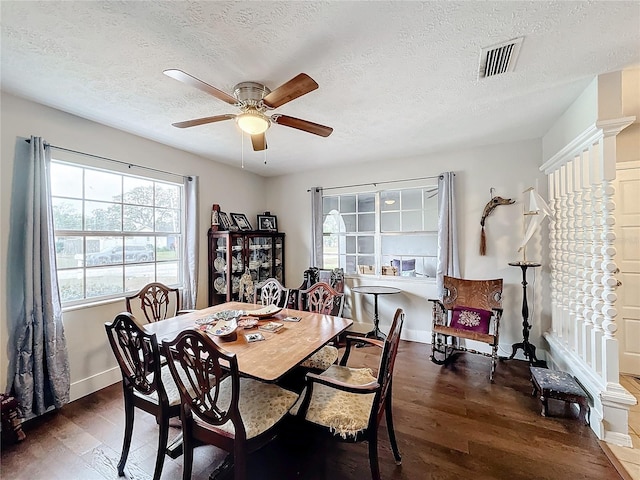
x=265, y=156
x=242, y=146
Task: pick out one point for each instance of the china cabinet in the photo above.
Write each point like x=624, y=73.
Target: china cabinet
x=239, y=260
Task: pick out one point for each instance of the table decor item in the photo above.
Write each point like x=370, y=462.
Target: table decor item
x=264, y=312
x=223, y=328
x=241, y=221
x=271, y=327
x=247, y=323
x=268, y=222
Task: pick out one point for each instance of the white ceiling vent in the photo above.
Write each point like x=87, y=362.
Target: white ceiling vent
x=500, y=58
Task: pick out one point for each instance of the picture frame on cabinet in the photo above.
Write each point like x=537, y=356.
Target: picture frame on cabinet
x=241, y=220
x=268, y=223
x=225, y=223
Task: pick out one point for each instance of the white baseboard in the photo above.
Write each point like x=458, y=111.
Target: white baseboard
x=94, y=383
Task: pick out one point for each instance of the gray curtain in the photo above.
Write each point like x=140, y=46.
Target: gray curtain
x=316, y=227
x=38, y=373
x=448, y=263
x=190, y=253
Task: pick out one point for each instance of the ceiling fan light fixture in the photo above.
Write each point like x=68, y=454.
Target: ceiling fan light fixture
x=253, y=122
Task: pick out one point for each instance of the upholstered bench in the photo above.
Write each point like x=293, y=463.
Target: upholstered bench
x=560, y=386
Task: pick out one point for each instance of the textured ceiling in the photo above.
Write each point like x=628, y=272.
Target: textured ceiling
x=397, y=79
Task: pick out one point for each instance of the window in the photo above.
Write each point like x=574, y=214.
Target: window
x=364, y=232
x=114, y=233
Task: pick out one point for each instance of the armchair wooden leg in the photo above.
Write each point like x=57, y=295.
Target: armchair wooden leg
x=494, y=361
x=392, y=433
x=373, y=456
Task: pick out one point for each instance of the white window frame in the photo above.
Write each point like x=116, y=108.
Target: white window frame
x=379, y=235
x=127, y=261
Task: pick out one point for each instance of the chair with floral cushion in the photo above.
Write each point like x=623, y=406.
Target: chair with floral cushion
x=156, y=301
x=145, y=383
x=350, y=402
x=469, y=310
x=218, y=407
x=321, y=298
x=271, y=292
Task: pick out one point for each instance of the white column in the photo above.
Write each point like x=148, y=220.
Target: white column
x=587, y=228
x=553, y=247
x=596, y=258
x=610, y=359
x=565, y=253
x=578, y=256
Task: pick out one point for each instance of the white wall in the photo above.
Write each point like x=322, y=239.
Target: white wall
x=92, y=363
x=509, y=168
x=577, y=118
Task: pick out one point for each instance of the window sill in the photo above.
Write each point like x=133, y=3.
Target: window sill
x=91, y=304
x=392, y=278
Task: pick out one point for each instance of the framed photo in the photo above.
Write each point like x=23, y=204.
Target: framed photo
x=268, y=222
x=224, y=221
x=241, y=221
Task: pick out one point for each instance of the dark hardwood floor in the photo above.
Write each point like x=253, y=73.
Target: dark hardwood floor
x=451, y=423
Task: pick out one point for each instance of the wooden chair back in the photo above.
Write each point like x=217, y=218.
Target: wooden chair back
x=387, y=364
x=271, y=292
x=333, y=276
x=137, y=354
x=321, y=298
x=199, y=366
x=156, y=301
x=484, y=294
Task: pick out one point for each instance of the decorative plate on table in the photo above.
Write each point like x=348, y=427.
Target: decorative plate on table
x=263, y=312
x=223, y=328
x=247, y=323
x=206, y=320
x=227, y=315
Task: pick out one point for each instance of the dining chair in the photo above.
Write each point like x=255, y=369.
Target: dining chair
x=271, y=292
x=157, y=302
x=321, y=298
x=350, y=402
x=145, y=383
x=218, y=407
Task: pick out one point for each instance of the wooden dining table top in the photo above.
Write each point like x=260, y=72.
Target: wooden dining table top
x=269, y=359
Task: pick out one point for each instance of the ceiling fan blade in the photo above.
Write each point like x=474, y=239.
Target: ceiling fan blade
x=259, y=142
x=202, y=121
x=303, y=125
x=199, y=84
x=294, y=88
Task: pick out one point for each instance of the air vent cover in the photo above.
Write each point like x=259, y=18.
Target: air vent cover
x=500, y=58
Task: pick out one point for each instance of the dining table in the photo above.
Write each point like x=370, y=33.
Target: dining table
x=266, y=360
x=270, y=359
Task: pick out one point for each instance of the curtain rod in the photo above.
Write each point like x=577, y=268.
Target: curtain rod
x=375, y=184
x=128, y=164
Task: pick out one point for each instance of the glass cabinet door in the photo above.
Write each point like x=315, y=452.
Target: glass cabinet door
x=231, y=254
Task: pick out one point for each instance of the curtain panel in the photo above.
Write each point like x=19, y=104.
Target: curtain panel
x=190, y=254
x=317, y=219
x=447, y=263
x=38, y=359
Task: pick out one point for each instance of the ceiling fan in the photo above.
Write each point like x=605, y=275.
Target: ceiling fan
x=254, y=99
